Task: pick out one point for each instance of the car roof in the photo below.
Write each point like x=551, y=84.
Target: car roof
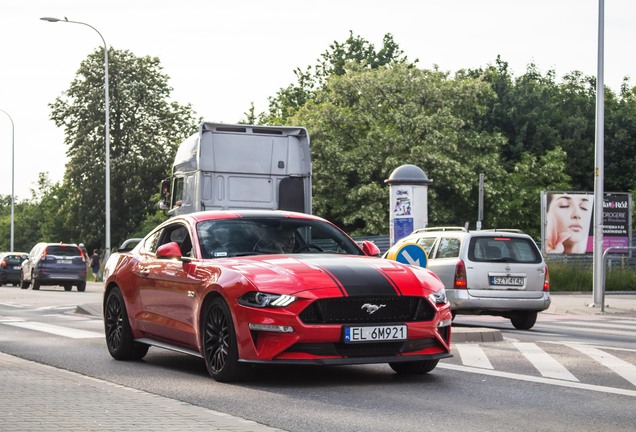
x=238, y=214
x=463, y=232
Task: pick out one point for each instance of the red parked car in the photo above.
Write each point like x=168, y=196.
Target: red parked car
x=269, y=287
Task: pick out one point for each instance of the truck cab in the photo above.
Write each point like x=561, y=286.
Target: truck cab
x=226, y=166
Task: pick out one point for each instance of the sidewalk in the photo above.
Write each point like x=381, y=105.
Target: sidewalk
x=616, y=304
x=39, y=398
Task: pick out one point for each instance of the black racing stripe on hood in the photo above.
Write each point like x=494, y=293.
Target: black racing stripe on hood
x=360, y=280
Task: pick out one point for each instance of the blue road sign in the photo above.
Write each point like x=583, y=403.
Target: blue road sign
x=413, y=254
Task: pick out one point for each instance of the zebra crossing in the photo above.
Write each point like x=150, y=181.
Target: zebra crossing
x=562, y=358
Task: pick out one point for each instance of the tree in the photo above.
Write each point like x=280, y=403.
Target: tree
x=538, y=115
x=145, y=131
x=367, y=122
x=332, y=62
x=620, y=140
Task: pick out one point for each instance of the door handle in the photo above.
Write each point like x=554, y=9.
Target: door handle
x=144, y=272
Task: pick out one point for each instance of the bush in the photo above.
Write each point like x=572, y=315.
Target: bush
x=576, y=277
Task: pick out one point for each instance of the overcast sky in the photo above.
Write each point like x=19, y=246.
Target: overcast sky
x=223, y=55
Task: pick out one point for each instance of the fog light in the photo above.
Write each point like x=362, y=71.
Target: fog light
x=271, y=328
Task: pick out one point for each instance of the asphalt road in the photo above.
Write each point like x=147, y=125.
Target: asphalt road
x=512, y=395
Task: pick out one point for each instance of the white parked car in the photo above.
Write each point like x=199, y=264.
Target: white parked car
x=488, y=272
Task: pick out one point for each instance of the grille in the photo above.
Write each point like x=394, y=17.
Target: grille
x=378, y=349
x=349, y=310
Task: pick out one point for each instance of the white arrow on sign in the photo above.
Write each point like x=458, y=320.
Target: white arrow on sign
x=410, y=259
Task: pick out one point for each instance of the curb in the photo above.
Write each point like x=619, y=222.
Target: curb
x=475, y=334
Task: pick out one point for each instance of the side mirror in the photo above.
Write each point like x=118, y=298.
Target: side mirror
x=370, y=248
x=169, y=251
x=164, y=204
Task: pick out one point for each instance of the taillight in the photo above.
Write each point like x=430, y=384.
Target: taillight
x=460, y=276
x=81, y=254
x=3, y=263
x=546, y=280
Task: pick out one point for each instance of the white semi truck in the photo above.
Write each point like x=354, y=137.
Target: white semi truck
x=225, y=166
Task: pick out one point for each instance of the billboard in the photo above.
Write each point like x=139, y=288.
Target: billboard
x=567, y=221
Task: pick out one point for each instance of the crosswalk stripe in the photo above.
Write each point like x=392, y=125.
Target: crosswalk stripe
x=56, y=330
x=560, y=329
x=543, y=362
x=473, y=355
x=617, y=365
x=615, y=325
x=542, y=380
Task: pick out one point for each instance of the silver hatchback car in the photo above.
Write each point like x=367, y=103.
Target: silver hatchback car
x=488, y=272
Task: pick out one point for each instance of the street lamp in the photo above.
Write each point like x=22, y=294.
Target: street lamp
x=12, y=175
x=107, y=127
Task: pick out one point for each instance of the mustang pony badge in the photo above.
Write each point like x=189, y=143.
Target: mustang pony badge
x=371, y=308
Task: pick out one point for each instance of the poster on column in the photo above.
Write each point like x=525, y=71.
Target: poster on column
x=401, y=212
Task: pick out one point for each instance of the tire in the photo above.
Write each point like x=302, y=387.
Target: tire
x=524, y=320
x=81, y=287
x=119, y=339
x=220, y=349
x=414, y=368
x=68, y=287
x=36, y=283
x=23, y=284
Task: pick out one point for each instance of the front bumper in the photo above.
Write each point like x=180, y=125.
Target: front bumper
x=322, y=344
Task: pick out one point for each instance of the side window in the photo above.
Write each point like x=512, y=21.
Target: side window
x=427, y=243
x=177, y=233
x=448, y=248
x=150, y=245
x=177, y=192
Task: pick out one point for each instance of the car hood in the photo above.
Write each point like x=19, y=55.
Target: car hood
x=348, y=275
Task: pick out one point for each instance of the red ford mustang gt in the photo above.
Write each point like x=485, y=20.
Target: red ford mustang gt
x=244, y=287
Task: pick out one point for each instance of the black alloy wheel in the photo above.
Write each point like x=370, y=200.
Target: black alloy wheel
x=119, y=338
x=219, y=343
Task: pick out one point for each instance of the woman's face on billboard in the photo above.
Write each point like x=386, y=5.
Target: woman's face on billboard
x=571, y=215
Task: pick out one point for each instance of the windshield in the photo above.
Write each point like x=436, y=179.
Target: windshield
x=503, y=249
x=239, y=237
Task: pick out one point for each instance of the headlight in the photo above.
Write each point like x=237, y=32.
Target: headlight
x=262, y=299
x=438, y=297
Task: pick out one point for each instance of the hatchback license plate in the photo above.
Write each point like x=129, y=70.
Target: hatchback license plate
x=375, y=333
x=506, y=281
x=64, y=261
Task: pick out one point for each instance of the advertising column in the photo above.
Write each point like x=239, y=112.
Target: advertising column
x=408, y=192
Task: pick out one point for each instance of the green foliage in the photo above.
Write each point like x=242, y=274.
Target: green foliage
x=332, y=62
x=145, y=129
x=368, y=111
x=572, y=277
x=367, y=122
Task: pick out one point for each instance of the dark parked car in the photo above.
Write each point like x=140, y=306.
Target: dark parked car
x=10, y=263
x=54, y=264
